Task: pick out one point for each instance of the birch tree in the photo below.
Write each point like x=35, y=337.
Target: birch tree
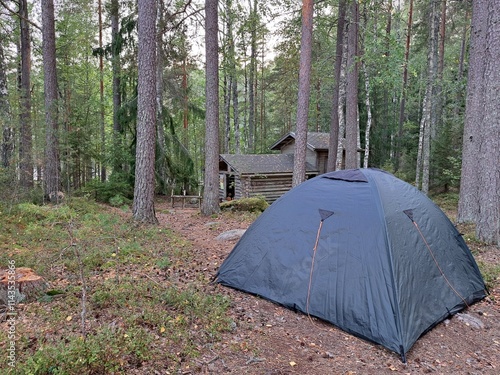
x=427, y=120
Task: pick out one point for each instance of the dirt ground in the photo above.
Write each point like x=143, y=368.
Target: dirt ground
x=269, y=339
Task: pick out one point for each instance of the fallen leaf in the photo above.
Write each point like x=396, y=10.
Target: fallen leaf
x=162, y=329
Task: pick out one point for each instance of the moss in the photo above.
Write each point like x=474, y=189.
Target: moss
x=253, y=204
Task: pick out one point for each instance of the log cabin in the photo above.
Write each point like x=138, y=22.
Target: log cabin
x=270, y=175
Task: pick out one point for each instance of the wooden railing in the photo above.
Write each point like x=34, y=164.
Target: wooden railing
x=183, y=198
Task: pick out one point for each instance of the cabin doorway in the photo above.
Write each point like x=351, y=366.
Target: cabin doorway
x=230, y=187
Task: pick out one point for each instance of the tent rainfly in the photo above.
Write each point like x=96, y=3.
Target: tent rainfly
x=362, y=250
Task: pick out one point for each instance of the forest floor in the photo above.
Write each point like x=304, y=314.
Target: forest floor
x=129, y=299
x=269, y=339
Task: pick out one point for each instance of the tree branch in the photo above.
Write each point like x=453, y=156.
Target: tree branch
x=14, y=13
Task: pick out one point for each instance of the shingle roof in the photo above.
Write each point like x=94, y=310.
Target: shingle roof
x=315, y=141
x=262, y=163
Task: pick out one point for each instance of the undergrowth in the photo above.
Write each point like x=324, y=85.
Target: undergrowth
x=111, y=306
x=253, y=204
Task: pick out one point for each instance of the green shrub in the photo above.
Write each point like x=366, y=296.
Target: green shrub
x=117, y=186
x=253, y=204
x=119, y=201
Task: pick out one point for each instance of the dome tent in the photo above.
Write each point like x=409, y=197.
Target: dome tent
x=362, y=250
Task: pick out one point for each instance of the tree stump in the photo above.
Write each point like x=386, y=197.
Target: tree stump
x=27, y=284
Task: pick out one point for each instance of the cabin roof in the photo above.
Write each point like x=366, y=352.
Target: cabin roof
x=262, y=163
x=315, y=141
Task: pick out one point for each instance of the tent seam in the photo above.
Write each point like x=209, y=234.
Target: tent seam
x=381, y=212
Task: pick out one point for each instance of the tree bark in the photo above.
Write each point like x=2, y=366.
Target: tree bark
x=227, y=110
x=488, y=223
x=7, y=148
x=252, y=76
x=210, y=203
x=369, y=118
x=468, y=203
x=236, y=115
x=342, y=106
x=101, y=97
x=427, y=120
x=25, y=126
x=52, y=168
x=299, y=162
x=334, y=125
x=143, y=207
x=117, y=102
x=351, y=137
x=162, y=167
x=402, y=103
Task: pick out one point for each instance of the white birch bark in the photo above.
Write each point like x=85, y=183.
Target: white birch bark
x=369, y=116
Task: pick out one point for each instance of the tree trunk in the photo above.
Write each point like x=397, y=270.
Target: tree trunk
x=429, y=130
x=263, y=133
x=210, y=203
x=369, y=116
x=333, y=144
x=468, y=203
x=488, y=223
x=229, y=78
x=299, y=161
x=236, y=115
x=342, y=105
x=252, y=76
x=52, y=168
x=227, y=110
x=5, y=115
x=351, y=137
x=25, y=130
x=245, y=99
x=28, y=285
x=117, y=102
x=457, y=112
x=162, y=167
x=426, y=122
x=386, y=119
x=402, y=103
x=101, y=98
x=439, y=101
x=144, y=189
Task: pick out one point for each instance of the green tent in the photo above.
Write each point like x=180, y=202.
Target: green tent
x=363, y=250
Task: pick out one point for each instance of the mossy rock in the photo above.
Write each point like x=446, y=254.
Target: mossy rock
x=253, y=204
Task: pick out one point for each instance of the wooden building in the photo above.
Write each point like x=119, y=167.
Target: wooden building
x=267, y=175
x=270, y=175
x=317, y=148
